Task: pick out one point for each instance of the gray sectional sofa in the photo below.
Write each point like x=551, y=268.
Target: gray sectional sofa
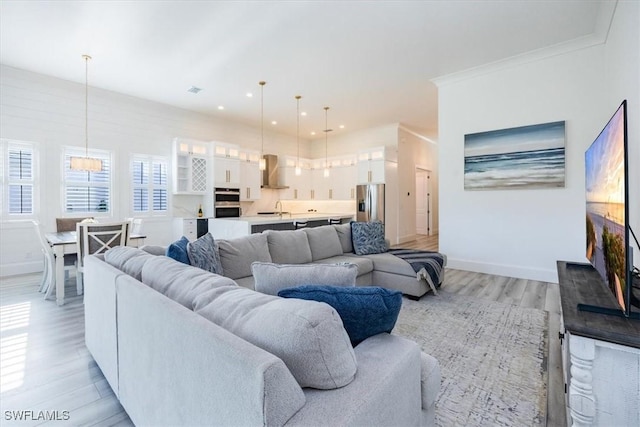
x=182, y=346
x=320, y=245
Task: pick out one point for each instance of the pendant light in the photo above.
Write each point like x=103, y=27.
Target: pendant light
x=298, y=169
x=263, y=162
x=86, y=163
x=326, y=137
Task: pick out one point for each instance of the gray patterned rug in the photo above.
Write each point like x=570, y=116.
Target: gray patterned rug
x=493, y=358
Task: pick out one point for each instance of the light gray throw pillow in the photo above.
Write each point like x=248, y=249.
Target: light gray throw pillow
x=308, y=336
x=236, y=255
x=203, y=253
x=344, y=234
x=323, y=241
x=271, y=278
x=289, y=247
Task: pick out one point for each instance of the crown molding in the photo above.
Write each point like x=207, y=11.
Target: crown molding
x=597, y=37
x=417, y=135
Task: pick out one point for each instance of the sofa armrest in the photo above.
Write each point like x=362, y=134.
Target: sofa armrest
x=386, y=390
x=430, y=379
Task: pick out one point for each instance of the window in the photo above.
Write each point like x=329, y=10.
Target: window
x=149, y=185
x=87, y=192
x=18, y=178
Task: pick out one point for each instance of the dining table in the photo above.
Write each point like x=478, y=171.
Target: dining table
x=65, y=243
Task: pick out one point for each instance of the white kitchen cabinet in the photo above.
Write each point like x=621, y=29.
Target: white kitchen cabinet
x=299, y=185
x=343, y=182
x=190, y=166
x=226, y=165
x=371, y=166
x=250, y=176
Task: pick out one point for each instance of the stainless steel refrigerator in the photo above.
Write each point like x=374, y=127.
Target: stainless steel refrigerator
x=370, y=199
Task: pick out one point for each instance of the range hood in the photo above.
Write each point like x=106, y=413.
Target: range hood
x=270, y=174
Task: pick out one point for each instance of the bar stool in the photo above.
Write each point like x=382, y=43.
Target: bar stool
x=335, y=221
x=299, y=224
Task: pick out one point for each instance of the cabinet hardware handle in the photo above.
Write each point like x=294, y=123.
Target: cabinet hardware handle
x=330, y=193
x=369, y=176
x=295, y=193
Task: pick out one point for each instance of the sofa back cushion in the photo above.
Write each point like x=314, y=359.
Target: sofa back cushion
x=308, y=336
x=323, y=242
x=236, y=255
x=289, y=247
x=128, y=260
x=344, y=234
x=180, y=282
x=270, y=278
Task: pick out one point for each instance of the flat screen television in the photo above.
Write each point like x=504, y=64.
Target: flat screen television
x=607, y=211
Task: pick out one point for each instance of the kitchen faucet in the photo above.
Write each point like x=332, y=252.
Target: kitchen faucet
x=280, y=204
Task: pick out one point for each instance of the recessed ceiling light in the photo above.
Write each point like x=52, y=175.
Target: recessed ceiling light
x=341, y=126
x=249, y=95
x=313, y=132
x=220, y=107
x=194, y=89
x=274, y=122
x=304, y=113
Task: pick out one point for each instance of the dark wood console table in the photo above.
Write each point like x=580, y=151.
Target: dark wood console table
x=600, y=353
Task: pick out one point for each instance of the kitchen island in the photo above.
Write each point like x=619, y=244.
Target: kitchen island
x=230, y=228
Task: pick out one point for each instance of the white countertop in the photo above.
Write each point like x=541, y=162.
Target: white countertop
x=274, y=219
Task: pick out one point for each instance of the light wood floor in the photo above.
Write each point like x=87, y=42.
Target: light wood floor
x=44, y=365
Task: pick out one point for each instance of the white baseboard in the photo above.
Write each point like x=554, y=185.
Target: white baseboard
x=16, y=269
x=516, y=271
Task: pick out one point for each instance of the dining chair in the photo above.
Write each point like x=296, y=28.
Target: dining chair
x=95, y=238
x=48, y=272
x=68, y=224
x=135, y=228
x=299, y=224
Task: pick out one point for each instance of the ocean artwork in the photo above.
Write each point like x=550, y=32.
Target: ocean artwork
x=517, y=158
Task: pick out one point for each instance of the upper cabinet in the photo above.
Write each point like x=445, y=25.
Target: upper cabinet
x=299, y=185
x=371, y=166
x=190, y=158
x=250, y=176
x=226, y=165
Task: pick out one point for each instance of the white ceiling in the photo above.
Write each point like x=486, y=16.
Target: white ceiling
x=370, y=61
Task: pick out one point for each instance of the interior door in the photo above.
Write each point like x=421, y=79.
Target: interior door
x=423, y=202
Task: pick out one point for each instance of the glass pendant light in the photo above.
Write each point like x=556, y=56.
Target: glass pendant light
x=326, y=137
x=298, y=169
x=263, y=162
x=86, y=163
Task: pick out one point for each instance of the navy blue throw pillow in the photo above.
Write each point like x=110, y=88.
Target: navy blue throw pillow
x=365, y=311
x=178, y=250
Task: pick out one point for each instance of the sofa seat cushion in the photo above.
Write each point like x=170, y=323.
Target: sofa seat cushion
x=364, y=264
x=308, y=336
x=344, y=235
x=365, y=311
x=270, y=278
x=289, y=247
x=128, y=260
x=323, y=242
x=237, y=255
x=180, y=282
x=390, y=264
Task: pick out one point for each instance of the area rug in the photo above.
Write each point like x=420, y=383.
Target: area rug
x=493, y=358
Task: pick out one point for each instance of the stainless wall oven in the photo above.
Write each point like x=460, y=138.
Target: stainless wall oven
x=226, y=202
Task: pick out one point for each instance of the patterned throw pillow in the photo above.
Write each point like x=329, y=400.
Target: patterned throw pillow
x=365, y=311
x=368, y=238
x=204, y=254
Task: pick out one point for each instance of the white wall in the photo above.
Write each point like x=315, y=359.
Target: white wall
x=519, y=233
x=523, y=233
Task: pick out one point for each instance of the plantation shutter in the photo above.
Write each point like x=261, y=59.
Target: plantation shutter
x=20, y=179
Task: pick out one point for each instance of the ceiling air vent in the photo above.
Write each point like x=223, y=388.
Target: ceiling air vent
x=194, y=89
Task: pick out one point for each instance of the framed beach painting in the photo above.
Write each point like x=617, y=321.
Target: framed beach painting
x=516, y=158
